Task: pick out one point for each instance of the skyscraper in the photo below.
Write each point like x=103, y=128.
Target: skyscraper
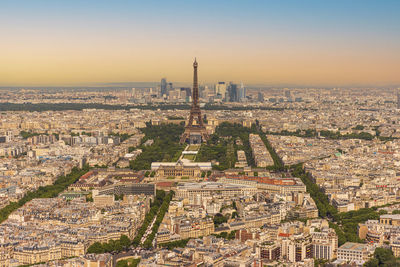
x=288, y=94
x=242, y=92
x=220, y=89
x=233, y=95
x=163, y=87
x=187, y=90
x=170, y=87
x=260, y=97
x=398, y=98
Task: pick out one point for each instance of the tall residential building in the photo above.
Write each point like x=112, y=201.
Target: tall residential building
x=325, y=244
x=163, y=87
x=296, y=248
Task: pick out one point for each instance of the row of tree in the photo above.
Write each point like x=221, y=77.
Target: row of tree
x=48, y=191
x=155, y=205
x=321, y=200
x=337, y=135
x=175, y=244
x=80, y=106
x=345, y=224
x=26, y=135
x=278, y=163
x=157, y=208
x=119, y=245
x=327, y=134
x=148, y=243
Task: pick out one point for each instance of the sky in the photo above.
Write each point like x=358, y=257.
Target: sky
x=271, y=42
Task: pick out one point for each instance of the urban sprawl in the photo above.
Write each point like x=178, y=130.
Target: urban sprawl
x=262, y=177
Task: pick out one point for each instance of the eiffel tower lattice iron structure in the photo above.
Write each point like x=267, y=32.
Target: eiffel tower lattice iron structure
x=195, y=131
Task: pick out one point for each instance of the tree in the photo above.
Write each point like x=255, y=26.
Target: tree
x=222, y=148
x=96, y=247
x=166, y=146
x=234, y=205
x=219, y=219
x=372, y=263
x=125, y=241
x=320, y=262
x=118, y=197
x=383, y=255
x=122, y=263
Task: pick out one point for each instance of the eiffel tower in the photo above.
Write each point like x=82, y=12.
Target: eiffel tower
x=195, y=131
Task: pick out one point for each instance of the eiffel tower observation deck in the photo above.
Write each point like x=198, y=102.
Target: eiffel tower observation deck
x=195, y=131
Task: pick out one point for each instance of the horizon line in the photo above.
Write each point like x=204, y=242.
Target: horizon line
x=141, y=84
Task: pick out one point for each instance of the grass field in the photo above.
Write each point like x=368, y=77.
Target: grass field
x=189, y=157
x=193, y=147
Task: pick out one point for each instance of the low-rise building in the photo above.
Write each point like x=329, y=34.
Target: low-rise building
x=354, y=252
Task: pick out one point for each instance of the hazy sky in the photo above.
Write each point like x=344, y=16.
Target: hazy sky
x=304, y=42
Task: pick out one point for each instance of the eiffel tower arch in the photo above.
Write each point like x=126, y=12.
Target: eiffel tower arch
x=195, y=131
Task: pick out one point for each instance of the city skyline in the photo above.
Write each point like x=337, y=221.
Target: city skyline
x=199, y=133
x=338, y=43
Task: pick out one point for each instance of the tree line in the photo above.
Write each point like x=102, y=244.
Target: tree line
x=157, y=208
x=154, y=207
x=80, y=106
x=118, y=245
x=333, y=134
x=48, y=191
x=345, y=224
x=174, y=244
x=148, y=243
